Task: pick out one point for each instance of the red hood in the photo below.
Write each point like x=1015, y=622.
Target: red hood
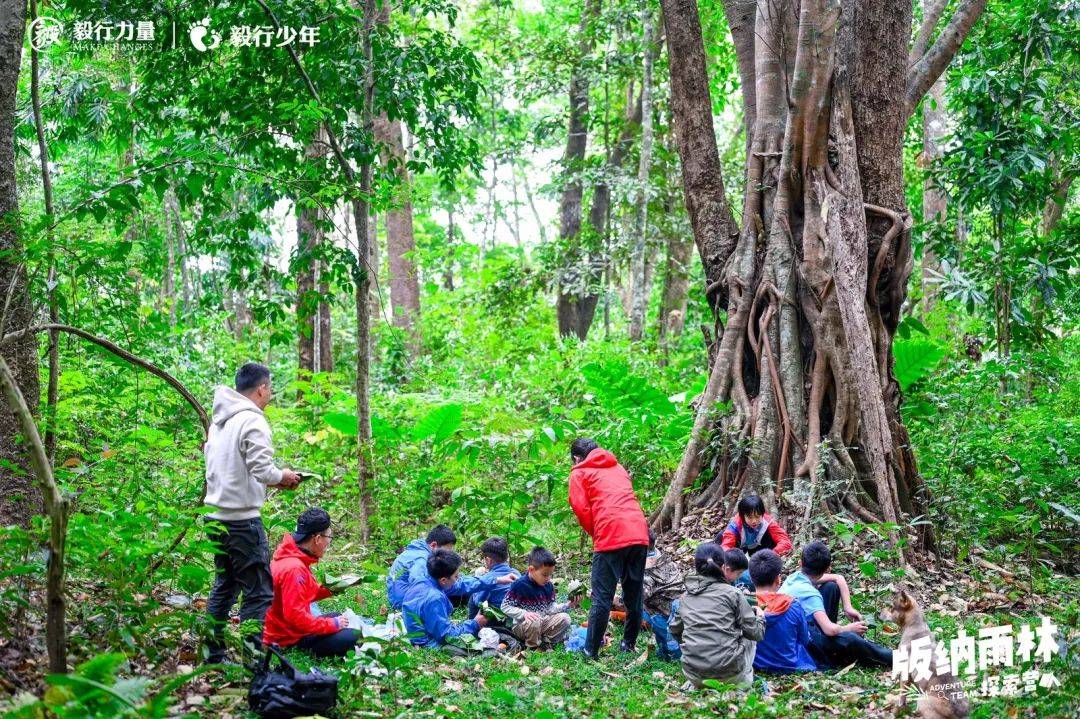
x=288, y=550
x=597, y=459
x=774, y=602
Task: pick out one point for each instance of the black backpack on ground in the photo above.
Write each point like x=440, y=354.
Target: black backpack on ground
x=285, y=693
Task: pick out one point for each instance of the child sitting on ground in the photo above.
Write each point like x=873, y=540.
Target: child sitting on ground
x=784, y=648
x=496, y=554
x=752, y=528
x=427, y=609
x=530, y=604
x=715, y=626
x=663, y=587
x=832, y=645
x=736, y=571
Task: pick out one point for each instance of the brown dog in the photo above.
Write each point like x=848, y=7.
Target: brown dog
x=941, y=696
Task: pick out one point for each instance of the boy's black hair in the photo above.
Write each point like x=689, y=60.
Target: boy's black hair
x=652, y=539
x=816, y=559
x=442, y=535
x=443, y=563
x=751, y=504
x=250, y=376
x=709, y=560
x=540, y=557
x=765, y=567
x=736, y=559
x=496, y=548
x=581, y=447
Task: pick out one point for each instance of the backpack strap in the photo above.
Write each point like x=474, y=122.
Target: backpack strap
x=275, y=650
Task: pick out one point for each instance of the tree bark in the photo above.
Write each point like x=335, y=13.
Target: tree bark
x=20, y=498
x=934, y=200
x=926, y=69
x=54, y=308
x=309, y=238
x=678, y=260
x=576, y=297
x=400, y=242
x=715, y=230
x=640, y=298
x=56, y=505
x=326, y=339
x=815, y=281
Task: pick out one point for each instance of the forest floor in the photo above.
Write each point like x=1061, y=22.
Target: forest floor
x=563, y=684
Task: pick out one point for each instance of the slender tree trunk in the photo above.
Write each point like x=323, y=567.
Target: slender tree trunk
x=362, y=279
x=574, y=280
x=640, y=299
x=309, y=238
x=20, y=498
x=517, y=205
x=935, y=202
x=678, y=261
x=400, y=242
x=56, y=505
x=448, y=268
x=532, y=206
x=326, y=338
x=46, y=187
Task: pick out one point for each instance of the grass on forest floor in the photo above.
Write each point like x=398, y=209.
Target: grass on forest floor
x=561, y=684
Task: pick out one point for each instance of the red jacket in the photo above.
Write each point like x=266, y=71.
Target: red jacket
x=781, y=542
x=290, y=619
x=604, y=502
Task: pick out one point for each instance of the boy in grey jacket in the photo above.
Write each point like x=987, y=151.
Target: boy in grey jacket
x=715, y=625
x=239, y=468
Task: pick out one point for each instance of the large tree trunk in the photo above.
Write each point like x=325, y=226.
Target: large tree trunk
x=20, y=498
x=400, y=243
x=577, y=297
x=640, y=287
x=816, y=280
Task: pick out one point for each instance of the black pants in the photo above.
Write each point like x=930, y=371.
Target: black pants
x=845, y=647
x=625, y=566
x=337, y=644
x=242, y=569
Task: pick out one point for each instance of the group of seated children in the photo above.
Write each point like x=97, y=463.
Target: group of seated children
x=729, y=617
x=726, y=634
x=529, y=601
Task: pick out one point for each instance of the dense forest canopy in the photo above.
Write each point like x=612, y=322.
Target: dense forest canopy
x=821, y=251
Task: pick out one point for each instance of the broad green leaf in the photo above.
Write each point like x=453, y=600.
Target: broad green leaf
x=439, y=424
x=915, y=358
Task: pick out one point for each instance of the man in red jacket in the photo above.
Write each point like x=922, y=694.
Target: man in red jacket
x=604, y=502
x=289, y=622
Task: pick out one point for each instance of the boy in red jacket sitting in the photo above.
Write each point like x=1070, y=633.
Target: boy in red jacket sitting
x=290, y=621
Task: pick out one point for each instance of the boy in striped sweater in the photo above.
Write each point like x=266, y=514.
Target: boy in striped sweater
x=530, y=602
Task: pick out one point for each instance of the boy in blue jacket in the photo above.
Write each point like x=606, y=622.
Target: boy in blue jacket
x=496, y=554
x=787, y=636
x=411, y=566
x=427, y=609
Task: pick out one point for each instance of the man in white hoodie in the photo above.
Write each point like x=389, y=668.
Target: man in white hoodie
x=239, y=468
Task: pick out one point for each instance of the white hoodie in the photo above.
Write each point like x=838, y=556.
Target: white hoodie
x=239, y=457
